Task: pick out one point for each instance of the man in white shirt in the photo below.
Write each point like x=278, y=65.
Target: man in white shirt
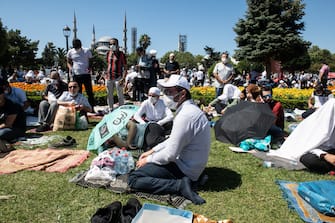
x=153, y=109
x=171, y=166
x=78, y=62
x=223, y=74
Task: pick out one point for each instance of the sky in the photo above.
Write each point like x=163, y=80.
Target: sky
x=205, y=23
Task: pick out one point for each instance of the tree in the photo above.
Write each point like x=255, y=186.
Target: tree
x=49, y=55
x=21, y=51
x=61, y=57
x=318, y=56
x=212, y=57
x=185, y=59
x=270, y=31
x=3, y=40
x=145, y=41
x=98, y=62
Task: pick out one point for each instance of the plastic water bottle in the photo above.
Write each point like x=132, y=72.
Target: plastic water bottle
x=117, y=162
x=131, y=162
x=124, y=164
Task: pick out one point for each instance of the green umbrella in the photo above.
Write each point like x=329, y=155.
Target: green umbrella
x=111, y=124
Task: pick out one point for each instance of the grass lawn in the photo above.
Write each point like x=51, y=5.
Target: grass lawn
x=239, y=188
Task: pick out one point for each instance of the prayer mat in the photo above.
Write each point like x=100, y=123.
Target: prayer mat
x=120, y=185
x=49, y=160
x=295, y=202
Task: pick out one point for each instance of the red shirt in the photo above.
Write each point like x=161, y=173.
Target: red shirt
x=117, y=63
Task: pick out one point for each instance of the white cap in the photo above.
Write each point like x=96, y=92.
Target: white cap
x=153, y=52
x=175, y=80
x=155, y=91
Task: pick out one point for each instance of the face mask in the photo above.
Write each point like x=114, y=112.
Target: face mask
x=112, y=47
x=225, y=61
x=153, y=100
x=54, y=81
x=171, y=104
x=73, y=94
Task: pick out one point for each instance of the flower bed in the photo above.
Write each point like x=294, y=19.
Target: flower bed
x=290, y=97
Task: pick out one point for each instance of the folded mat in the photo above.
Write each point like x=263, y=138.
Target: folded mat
x=49, y=160
x=305, y=210
x=120, y=185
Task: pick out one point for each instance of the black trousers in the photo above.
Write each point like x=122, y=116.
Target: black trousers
x=316, y=164
x=85, y=79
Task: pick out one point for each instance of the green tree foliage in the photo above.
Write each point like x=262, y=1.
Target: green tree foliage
x=3, y=40
x=271, y=30
x=98, y=62
x=318, y=56
x=49, y=55
x=185, y=59
x=61, y=57
x=211, y=58
x=145, y=41
x=132, y=59
x=20, y=51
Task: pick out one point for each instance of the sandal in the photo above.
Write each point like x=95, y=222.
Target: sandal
x=67, y=142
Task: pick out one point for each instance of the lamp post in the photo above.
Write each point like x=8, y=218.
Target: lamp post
x=66, y=33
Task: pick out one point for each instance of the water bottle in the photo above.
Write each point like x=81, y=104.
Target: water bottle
x=124, y=164
x=131, y=162
x=117, y=162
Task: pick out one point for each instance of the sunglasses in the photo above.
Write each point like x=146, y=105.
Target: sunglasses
x=73, y=86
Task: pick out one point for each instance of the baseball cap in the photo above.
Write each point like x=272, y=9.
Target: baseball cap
x=175, y=80
x=155, y=91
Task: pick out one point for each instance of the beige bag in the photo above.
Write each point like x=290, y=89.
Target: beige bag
x=65, y=118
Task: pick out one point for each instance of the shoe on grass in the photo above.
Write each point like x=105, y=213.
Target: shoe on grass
x=43, y=128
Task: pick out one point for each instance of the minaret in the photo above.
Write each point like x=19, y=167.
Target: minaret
x=93, y=39
x=74, y=26
x=125, y=34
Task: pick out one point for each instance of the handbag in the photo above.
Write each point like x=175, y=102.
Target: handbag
x=65, y=118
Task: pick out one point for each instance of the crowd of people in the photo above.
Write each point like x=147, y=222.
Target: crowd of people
x=174, y=160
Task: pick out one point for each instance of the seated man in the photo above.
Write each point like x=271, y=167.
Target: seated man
x=153, y=109
x=48, y=106
x=16, y=95
x=72, y=97
x=137, y=136
x=229, y=97
x=171, y=166
x=12, y=120
x=277, y=130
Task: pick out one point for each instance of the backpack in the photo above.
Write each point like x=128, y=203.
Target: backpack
x=320, y=195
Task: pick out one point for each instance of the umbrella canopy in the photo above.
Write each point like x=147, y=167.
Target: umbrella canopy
x=244, y=120
x=110, y=125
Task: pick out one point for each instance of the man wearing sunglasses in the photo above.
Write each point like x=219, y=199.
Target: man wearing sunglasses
x=72, y=97
x=276, y=131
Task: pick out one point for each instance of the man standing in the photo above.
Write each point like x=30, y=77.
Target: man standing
x=116, y=73
x=171, y=166
x=223, y=74
x=142, y=81
x=323, y=74
x=171, y=67
x=78, y=62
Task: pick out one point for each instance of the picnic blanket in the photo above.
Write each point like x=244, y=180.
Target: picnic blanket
x=120, y=185
x=305, y=210
x=49, y=160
